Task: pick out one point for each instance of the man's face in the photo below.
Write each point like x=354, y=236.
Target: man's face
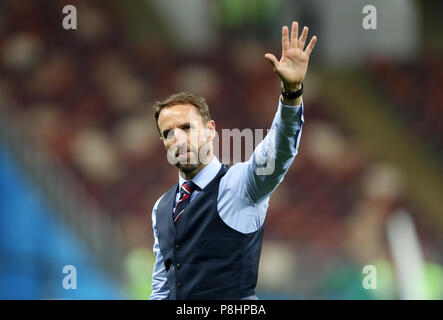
x=187, y=139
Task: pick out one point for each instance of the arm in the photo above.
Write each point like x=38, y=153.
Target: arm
x=160, y=289
x=272, y=158
x=246, y=187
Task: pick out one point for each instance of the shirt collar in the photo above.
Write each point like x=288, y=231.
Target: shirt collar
x=206, y=174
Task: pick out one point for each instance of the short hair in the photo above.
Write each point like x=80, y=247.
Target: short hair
x=182, y=98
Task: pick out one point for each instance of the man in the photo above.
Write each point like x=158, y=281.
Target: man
x=208, y=228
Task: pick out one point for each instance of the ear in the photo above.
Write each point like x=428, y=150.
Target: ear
x=210, y=126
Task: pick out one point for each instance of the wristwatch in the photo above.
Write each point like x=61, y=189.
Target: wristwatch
x=293, y=94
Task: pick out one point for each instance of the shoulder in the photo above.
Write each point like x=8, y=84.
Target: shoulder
x=236, y=173
x=234, y=180
x=154, y=210
x=232, y=170
x=158, y=200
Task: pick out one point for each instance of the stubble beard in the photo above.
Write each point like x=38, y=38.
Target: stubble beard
x=190, y=169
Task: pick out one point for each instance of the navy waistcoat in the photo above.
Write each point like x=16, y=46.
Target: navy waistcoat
x=204, y=257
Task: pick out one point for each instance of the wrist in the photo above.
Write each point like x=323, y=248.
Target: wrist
x=290, y=87
x=291, y=94
x=291, y=102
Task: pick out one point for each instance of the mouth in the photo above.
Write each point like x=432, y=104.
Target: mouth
x=183, y=155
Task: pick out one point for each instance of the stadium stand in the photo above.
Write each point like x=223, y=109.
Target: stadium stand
x=85, y=97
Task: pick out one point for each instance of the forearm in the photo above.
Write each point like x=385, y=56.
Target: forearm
x=274, y=155
x=160, y=289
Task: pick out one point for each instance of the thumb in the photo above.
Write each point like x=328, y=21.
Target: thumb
x=272, y=59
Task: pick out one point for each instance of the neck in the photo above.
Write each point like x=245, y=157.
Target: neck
x=191, y=174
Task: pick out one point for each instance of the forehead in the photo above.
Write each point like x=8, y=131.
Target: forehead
x=173, y=116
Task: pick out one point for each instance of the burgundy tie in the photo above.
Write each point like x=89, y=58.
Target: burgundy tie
x=185, y=196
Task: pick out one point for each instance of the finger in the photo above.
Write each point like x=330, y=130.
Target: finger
x=285, y=38
x=294, y=34
x=311, y=45
x=302, y=40
x=272, y=59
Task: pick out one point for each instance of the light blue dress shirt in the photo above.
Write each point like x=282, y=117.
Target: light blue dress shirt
x=244, y=191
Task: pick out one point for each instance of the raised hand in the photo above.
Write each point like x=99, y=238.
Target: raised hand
x=293, y=63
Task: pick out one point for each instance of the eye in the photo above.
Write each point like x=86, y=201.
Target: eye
x=169, y=134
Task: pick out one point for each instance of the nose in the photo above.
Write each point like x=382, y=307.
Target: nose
x=181, y=141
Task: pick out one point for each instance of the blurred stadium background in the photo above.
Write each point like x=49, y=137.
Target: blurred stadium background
x=81, y=164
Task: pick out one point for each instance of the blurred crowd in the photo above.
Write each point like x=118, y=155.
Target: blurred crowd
x=85, y=95
x=414, y=88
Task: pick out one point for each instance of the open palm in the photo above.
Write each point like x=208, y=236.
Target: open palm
x=293, y=63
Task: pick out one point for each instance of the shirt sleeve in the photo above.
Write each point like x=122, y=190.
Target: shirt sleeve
x=160, y=289
x=255, y=179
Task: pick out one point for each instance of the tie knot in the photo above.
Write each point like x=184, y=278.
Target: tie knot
x=188, y=187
